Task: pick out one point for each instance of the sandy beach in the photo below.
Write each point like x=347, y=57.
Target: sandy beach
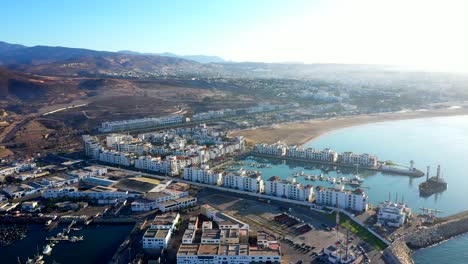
x=302, y=132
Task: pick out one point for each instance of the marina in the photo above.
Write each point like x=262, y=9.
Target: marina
x=99, y=243
x=447, y=135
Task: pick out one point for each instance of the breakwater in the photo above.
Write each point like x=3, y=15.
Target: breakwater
x=399, y=252
x=446, y=229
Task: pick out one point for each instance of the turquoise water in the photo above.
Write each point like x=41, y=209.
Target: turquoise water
x=99, y=245
x=429, y=141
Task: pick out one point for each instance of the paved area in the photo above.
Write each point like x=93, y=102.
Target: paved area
x=260, y=216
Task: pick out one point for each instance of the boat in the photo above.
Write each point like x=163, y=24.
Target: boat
x=308, y=177
x=314, y=178
x=76, y=239
x=48, y=223
x=47, y=250
x=354, y=183
x=332, y=180
x=357, y=178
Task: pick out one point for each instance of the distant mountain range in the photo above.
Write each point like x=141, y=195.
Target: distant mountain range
x=19, y=54
x=63, y=61
x=197, y=58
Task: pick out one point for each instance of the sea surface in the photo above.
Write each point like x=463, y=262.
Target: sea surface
x=429, y=141
x=98, y=246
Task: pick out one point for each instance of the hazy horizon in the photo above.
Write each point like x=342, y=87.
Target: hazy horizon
x=424, y=35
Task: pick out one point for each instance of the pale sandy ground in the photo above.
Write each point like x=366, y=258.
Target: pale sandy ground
x=302, y=132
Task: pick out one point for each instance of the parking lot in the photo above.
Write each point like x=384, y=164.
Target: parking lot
x=291, y=225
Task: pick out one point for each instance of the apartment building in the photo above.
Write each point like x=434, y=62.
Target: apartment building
x=289, y=189
x=355, y=200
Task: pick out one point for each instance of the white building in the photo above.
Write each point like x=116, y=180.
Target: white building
x=177, y=204
x=277, y=149
x=96, y=170
x=289, y=189
x=325, y=155
x=188, y=237
x=244, y=181
x=165, y=221
x=355, y=200
x=229, y=253
x=58, y=192
x=351, y=158
x=203, y=174
x=115, y=157
x=141, y=123
x=393, y=214
x=91, y=146
x=156, y=238
x=95, y=193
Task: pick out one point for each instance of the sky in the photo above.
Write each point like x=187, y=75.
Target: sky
x=414, y=33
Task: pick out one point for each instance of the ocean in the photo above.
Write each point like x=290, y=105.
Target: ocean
x=429, y=141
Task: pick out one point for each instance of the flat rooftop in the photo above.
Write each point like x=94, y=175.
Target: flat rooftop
x=211, y=234
x=165, y=219
x=234, y=250
x=188, y=234
x=156, y=233
x=188, y=249
x=230, y=233
x=254, y=251
x=208, y=249
x=101, y=188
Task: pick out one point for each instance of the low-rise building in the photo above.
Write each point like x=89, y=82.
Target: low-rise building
x=193, y=223
x=177, y=204
x=165, y=221
x=393, y=214
x=29, y=206
x=189, y=236
x=231, y=253
x=156, y=238
x=211, y=236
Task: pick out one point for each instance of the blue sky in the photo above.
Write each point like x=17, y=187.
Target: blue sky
x=414, y=33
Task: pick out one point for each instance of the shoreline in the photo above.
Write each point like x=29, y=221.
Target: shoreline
x=299, y=133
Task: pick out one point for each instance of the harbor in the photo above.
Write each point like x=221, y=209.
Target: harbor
x=384, y=167
x=98, y=241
